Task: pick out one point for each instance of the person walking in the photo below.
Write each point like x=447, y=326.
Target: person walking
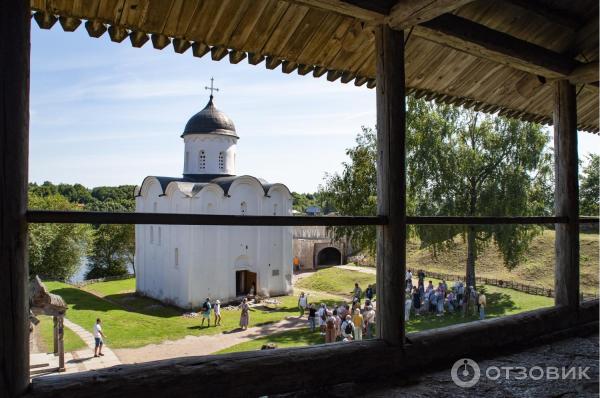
x=358, y=321
x=357, y=292
x=302, y=304
x=217, y=312
x=245, y=315
x=98, y=339
x=312, y=314
x=482, y=303
x=206, y=307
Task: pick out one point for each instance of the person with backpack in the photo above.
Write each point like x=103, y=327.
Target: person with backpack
x=206, y=307
x=347, y=329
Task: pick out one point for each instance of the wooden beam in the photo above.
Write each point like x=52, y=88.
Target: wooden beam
x=409, y=13
x=95, y=28
x=585, y=73
x=92, y=217
x=540, y=9
x=160, y=41
x=344, y=8
x=391, y=184
x=69, y=24
x=310, y=370
x=481, y=41
x=15, y=27
x=566, y=195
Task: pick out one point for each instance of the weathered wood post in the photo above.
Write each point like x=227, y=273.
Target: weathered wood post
x=14, y=138
x=566, y=195
x=55, y=334
x=391, y=184
x=61, y=343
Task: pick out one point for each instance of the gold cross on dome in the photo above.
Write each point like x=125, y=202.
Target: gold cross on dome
x=212, y=87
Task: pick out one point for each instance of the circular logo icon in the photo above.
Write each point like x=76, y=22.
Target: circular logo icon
x=465, y=373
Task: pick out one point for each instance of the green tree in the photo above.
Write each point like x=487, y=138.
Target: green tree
x=459, y=163
x=56, y=250
x=354, y=191
x=463, y=163
x=112, y=252
x=589, y=190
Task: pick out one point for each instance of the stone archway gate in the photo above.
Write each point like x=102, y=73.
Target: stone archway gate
x=310, y=240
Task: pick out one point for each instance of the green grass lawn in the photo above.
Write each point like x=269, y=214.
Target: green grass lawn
x=46, y=328
x=111, y=287
x=130, y=321
x=335, y=281
x=501, y=302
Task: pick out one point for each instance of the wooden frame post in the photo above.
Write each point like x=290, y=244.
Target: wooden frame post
x=566, y=195
x=55, y=335
x=14, y=138
x=61, y=343
x=391, y=184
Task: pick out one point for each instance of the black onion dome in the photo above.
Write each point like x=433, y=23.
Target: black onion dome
x=210, y=120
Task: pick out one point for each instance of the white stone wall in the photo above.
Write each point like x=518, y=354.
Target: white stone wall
x=208, y=256
x=212, y=145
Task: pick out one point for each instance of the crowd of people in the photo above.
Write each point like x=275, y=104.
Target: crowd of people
x=421, y=299
x=352, y=321
x=344, y=321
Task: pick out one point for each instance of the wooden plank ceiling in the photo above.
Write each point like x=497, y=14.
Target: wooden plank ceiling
x=492, y=55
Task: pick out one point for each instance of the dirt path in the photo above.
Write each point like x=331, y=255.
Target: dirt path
x=204, y=345
x=366, y=270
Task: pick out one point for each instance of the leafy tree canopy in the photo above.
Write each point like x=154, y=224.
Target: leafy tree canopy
x=589, y=187
x=56, y=250
x=459, y=163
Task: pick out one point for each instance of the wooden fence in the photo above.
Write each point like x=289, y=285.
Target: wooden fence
x=522, y=287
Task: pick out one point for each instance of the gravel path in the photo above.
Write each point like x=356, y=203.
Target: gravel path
x=204, y=345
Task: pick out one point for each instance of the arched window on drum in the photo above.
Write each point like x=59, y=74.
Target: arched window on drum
x=202, y=160
x=221, y=161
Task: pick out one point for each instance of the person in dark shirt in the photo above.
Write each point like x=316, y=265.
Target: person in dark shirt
x=312, y=314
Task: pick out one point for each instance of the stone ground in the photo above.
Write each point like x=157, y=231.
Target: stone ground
x=204, y=345
x=76, y=361
x=574, y=352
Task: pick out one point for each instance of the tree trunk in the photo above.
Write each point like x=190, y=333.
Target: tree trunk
x=471, y=256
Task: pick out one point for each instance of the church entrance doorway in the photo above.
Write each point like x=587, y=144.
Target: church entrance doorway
x=245, y=283
x=329, y=256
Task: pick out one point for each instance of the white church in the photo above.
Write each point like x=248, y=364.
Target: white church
x=182, y=265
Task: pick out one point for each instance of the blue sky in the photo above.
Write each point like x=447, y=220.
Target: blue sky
x=104, y=113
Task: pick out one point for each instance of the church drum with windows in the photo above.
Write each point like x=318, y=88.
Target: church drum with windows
x=182, y=265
